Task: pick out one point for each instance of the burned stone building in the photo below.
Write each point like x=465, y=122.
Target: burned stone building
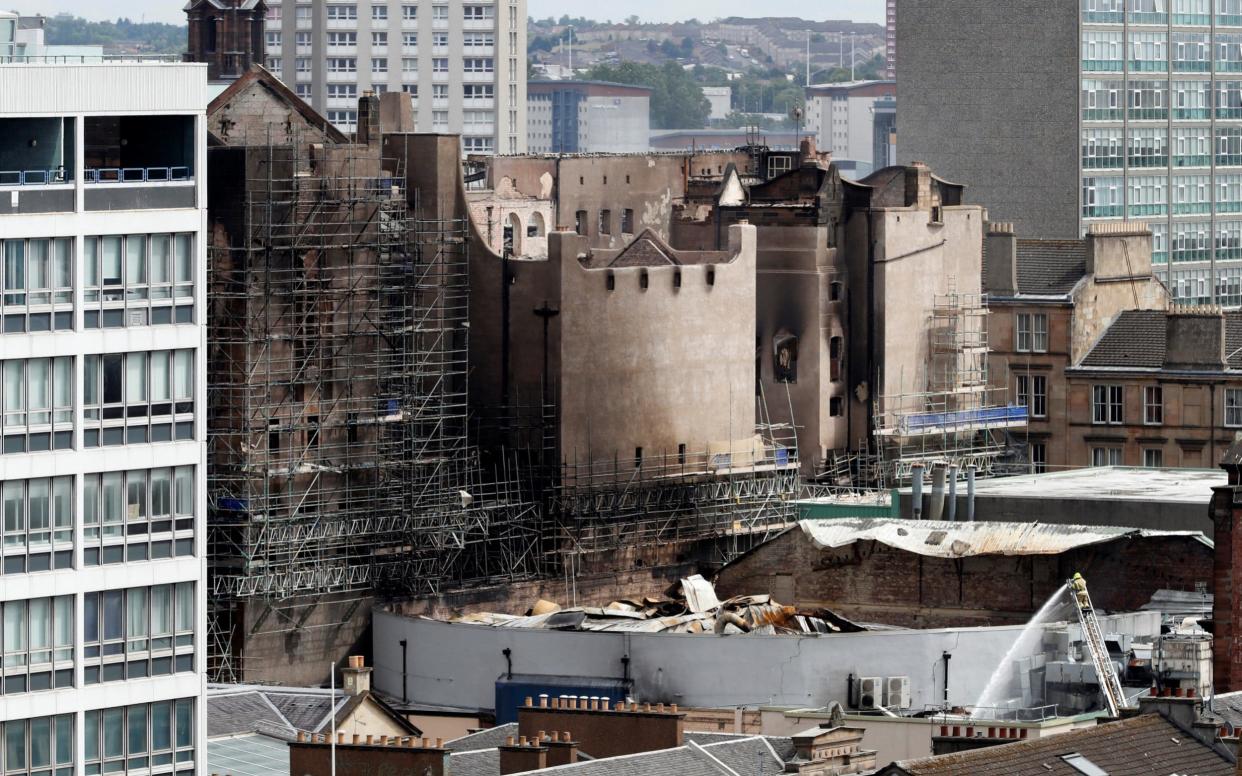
x=226, y=34
x=337, y=354
x=846, y=273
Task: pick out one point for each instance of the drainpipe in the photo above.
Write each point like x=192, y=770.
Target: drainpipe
x=946, y=657
x=970, y=493
x=952, y=493
x=404, y=672
x=936, y=508
x=916, y=491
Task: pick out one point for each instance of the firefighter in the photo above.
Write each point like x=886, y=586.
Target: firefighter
x=1079, y=587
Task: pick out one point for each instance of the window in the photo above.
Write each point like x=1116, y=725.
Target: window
x=1102, y=100
x=302, y=65
x=37, y=639
x=135, y=398
x=627, y=221
x=481, y=145
x=439, y=65
x=38, y=524
x=605, y=222
x=274, y=65
x=409, y=12
x=1106, y=404
x=1102, y=51
x=147, y=514
x=439, y=121
x=1077, y=761
x=1039, y=457
x=478, y=65
x=302, y=40
x=409, y=65
x=342, y=65
x=136, y=633
x=304, y=91
x=439, y=40
x=32, y=747
x=342, y=39
x=36, y=405
x=477, y=12
x=1102, y=197
x=1032, y=393
x=479, y=91
x=1106, y=456
x=379, y=40
x=1233, y=407
x=1102, y=149
x=410, y=89
x=138, y=280
x=1153, y=458
x=154, y=737
x=342, y=12
x=409, y=40
x=1153, y=405
x=342, y=91
x=580, y=222
x=439, y=92
x=273, y=40
x=478, y=39
x=36, y=276
x=379, y=66
x=836, y=407
x=379, y=13
x=1032, y=333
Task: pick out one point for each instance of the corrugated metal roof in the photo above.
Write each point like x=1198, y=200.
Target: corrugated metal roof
x=960, y=540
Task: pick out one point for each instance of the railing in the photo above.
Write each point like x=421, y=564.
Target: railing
x=85, y=59
x=137, y=174
x=34, y=177
x=981, y=715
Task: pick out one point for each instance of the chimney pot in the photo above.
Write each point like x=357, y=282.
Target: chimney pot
x=543, y=701
x=508, y=740
x=673, y=708
x=301, y=737
x=584, y=702
x=556, y=703
x=340, y=738
x=620, y=706
x=660, y=707
x=539, y=736
x=566, y=737
x=439, y=743
x=425, y=741
x=521, y=740
x=370, y=739
x=356, y=738
x=646, y=707
x=633, y=706
x=529, y=702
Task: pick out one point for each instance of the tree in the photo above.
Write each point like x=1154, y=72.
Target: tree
x=632, y=20
x=677, y=101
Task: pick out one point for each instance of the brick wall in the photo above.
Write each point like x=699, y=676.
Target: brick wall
x=875, y=582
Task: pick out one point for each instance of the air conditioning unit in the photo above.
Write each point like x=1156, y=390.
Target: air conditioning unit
x=870, y=693
x=897, y=692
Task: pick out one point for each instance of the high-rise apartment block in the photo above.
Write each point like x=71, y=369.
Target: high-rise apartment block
x=1062, y=113
x=102, y=322
x=462, y=61
x=890, y=39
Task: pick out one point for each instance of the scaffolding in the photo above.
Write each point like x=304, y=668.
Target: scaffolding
x=960, y=419
x=337, y=431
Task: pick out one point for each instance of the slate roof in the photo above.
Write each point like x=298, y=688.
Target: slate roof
x=1137, y=339
x=1146, y=745
x=1226, y=707
x=253, y=755
x=1047, y=267
x=282, y=711
x=485, y=762
x=484, y=739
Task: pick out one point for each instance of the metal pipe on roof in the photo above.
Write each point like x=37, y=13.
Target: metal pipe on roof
x=970, y=493
x=916, y=491
x=936, y=509
x=952, y=493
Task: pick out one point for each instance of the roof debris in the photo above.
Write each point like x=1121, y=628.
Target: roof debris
x=692, y=608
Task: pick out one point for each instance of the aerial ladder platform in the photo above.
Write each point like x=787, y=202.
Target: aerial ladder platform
x=1109, y=683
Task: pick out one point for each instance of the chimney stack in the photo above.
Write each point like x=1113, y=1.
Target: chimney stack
x=356, y=678
x=522, y=756
x=1195, y=338
x=1001, y=270
x=562, y=750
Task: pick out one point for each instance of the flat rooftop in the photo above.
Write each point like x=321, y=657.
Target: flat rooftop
x=1112, y=483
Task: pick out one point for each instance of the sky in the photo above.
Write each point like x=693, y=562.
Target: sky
x=647, y=10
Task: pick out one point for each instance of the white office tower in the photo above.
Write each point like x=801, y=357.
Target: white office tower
x=102, y=428
x=462, y=61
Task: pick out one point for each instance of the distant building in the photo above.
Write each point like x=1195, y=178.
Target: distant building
x=568, y=117
x=22, y=39
x=724, y=139
x=884, y=131
x=463, y=63
x=1103, y=111
x=890, y=40
x=721, y=99
x=844, y=116
x=227, y=35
